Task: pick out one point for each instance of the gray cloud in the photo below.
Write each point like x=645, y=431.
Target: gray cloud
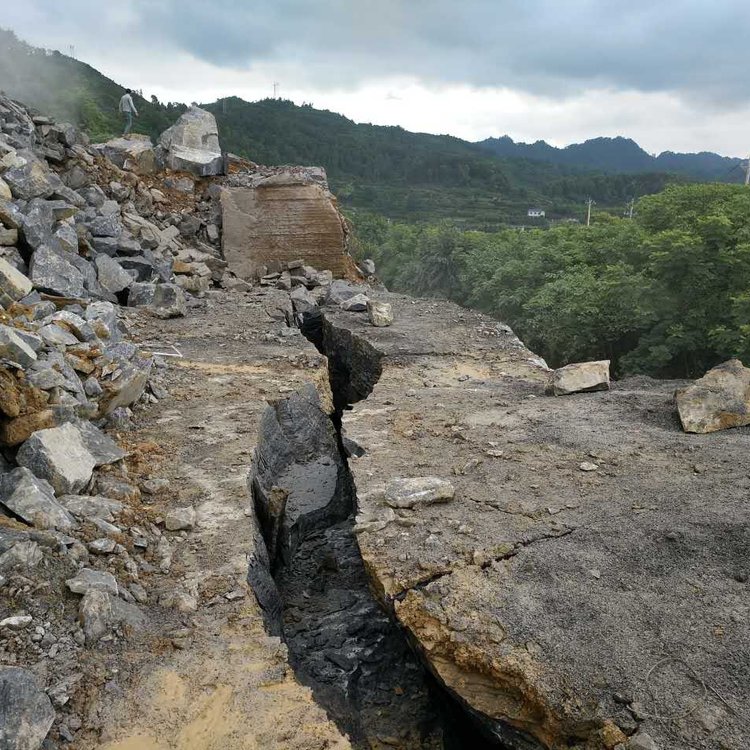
x=688, y=47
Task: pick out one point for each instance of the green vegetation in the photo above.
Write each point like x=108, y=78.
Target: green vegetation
x=406, y=176
x=667, y=293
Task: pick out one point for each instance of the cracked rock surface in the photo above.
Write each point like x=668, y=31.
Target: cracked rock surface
x=565, y=607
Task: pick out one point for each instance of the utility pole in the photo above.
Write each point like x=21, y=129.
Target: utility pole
x=275, y=89
x=747, y=172
x=590, y=202
x=72, y=50
x=631, y=207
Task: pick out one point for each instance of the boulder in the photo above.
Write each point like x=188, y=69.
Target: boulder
x=33, y=500
x=112, y=276
x=358, y=303
x=718, y=400
x=26, y=713
x=166, y=300
x=134, y=154
x=380, y=313
x=368, y=267
x=179, y=519
x=60, y=456
x=277, y=222
x=192, y=144
x=341, y=291
x=55, y=272
x=14, y=348
x=579, y=378
x=303, y=301
x=95, y=614
x=31, y=179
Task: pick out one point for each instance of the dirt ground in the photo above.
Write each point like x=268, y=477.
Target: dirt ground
x=210, y=679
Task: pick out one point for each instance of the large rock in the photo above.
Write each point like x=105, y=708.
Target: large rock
x=192, y=144
x=33, y=500
x=579, y=377
x=26, y=713
x=31, y=178
x=280, y=221
x=380, y=314
x=56, y=272
x=14, y=348
x=718, y=400
x=135, y=153
x=112, y=276
x=60, y=456
x=165, y=300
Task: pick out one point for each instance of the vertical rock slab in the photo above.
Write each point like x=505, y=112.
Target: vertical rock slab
x=26, y=713
x=283, y=218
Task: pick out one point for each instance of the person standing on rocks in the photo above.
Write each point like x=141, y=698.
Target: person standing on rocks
x=127, y=107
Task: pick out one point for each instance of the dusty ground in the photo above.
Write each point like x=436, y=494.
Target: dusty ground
x=579, y=606
x=211, y=679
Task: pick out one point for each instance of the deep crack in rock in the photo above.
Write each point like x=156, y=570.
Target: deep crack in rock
x=313, y=585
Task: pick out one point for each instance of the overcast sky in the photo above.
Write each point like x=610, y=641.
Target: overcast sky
x=672, y=75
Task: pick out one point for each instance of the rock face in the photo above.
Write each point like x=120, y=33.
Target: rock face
x=579, y=378
x=718, y=400
x=192, y=144
x=26, y=713
x=282, y=219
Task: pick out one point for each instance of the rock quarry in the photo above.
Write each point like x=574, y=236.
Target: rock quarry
x=251, y=499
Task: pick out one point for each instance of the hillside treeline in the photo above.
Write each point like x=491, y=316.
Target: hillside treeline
x=666, y=293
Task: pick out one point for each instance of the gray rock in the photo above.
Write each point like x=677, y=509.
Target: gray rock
x=88, y=579
x=192, y=144
x=92, y=388
x=99, y=445
x=380, y=314
x=21, y=556
x=112, y=276
x=60, y=456
x=368, y=267
x=8, y=237
x=340, y=291
x=92, y=506
x=76, y=324
x=178, y=519
x=108, y=225
x=303, y=301
x=407, y=493
x=16, y=622
x=102, y=316
x=358, y=303
x=717, y=401
x=166, y=300
x=54, y=272
x=580, y=377
x=134, y=154
x=54, y=335
x=32, y=179
x=33, y=500
x=642, y=741
x=14, y=348
x=26, y=713
x=95, y=614
x=10, y=214
x=67, y=237
x=46, y=379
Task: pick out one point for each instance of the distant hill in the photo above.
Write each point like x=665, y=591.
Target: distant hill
x=388, y=170
x=618, y=155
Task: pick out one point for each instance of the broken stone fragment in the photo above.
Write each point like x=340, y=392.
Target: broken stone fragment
x=358, y=303
x=178, y=519
x=579, y=377
x=409, y=492
x=303, y=301
x=16, y=622
x=112, y=276
x=88, y=579
x=60, y=456
x=368, y=267
x=717, y=401
x=33, y=500
x=26, y=713
x=14, y=348
x=166, y=300
x=13, y=284
x=95, y=614
x=642, y=741
x=135, y=154
x=87, y=507
x=380, y=313
x=54, y=272
x=192, y=144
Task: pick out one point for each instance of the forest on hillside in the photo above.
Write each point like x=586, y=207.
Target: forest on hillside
x=666, y=293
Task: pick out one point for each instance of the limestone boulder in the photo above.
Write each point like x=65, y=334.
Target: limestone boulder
x=580, y=377
x=60, y=456
x=192, y=144
x=135, y=154
x=26, y=713
x=718, y=400
x=56, y=272
x=33, y=500
x=14, y=348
